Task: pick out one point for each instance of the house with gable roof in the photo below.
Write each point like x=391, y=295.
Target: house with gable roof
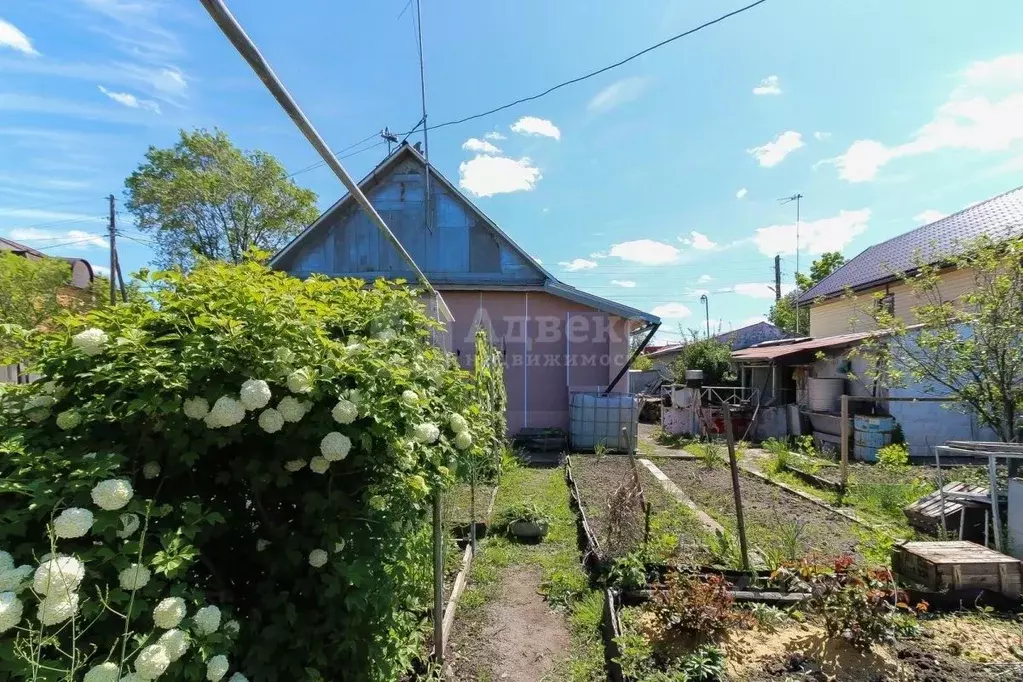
x=556, y=338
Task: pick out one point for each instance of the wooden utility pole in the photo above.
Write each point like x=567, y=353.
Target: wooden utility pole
x=844, y=478
x=777, y=278
x=733, y=464
x=112, y=232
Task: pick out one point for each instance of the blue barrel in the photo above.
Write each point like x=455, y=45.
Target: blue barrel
x=870, y=434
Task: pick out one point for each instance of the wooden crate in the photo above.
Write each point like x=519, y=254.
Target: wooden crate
x=957, y=565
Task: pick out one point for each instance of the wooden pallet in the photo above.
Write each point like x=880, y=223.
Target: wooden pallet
x=958, y=565
x=926, y=512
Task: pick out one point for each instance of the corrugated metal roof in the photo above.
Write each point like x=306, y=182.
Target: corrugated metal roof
x=740, y=337
x=773, y=351
x=998, y=217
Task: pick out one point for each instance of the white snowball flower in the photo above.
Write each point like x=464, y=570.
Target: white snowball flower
x=152, y=662
x=151, y=470
x=68, y=419
x=196, y=408
x=255, y=394
x=270, y=420
x=58, y=576
x=226, y=412
x=57, y=608
x=104, y=672
x=355, y=395
x=345, y=412
x=426, y=433
x=232, y=628
x=15, y=579
x=300, y=381
x=73, y=522
x=457, y=423
x=335, y=446
x=206, y=620
x=11, y=609
x=37, y=408
x=261, y=545
x=317, y=558
x=91, y=341
x=135, y=577
x=339, y=546
x=216, y=668
x=6, y=561
x=319, y=465
x=112, y=494
x=463, y=440
x=129, y=524
x=237, y=677
x=294, y=465
x=175, y=643
x=291, y=409
x=285, y=356
x=409, y=397
x=169, y=612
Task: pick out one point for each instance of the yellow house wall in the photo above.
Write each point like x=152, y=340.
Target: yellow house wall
x=845, y=315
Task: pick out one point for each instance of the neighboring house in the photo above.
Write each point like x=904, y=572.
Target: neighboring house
x=81, y=278
x=737, y=339
x=839, y=323
x=556, y=338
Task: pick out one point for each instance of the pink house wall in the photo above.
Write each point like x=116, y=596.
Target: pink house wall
x=551, y=345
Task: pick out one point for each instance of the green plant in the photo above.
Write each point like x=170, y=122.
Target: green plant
x=725, y=550
x=711, y=355
x=256, y=444
x=706, y=664
x=768, y=618
x=563, y=586
x=628, y=572
x=779, y=461
x=526, y=511
x=600, y=449
x=786, y=542
x=893, y=457
x=710, y=454
x=695, y=606
x=806, y=446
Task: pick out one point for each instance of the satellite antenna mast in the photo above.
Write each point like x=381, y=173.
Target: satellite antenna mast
x=788, y=200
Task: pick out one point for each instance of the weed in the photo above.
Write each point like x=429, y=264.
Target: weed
x=774, y=446
x=693, y=606
x=706, y=664
x=628, y=572
x=894, y=457
x=625, y=516
x=600, y=449
x=769, y=618
x=725, y=550
x=710, y=453
x=562, y=586
x=526, y=511
x=779, y=461
x=806, y=446
x=787, y=543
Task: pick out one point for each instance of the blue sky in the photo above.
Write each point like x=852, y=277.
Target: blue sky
x=648, y=184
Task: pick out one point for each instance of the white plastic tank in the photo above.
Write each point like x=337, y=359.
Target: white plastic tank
x=825, y=395
x=596, y=418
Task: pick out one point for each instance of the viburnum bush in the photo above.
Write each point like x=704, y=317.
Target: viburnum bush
x=229, y=479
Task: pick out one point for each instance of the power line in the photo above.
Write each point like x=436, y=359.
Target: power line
x=71, y=243
x=68, y=221
x=338, y=154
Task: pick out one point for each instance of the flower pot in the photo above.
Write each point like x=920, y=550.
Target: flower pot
x=528, y=529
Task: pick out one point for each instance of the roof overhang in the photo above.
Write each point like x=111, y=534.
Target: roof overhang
x=792, y=353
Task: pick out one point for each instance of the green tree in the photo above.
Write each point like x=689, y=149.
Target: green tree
x=205, y=197
x=970, y=348
x=29, y=288
x=712, y=356
x=783, y=313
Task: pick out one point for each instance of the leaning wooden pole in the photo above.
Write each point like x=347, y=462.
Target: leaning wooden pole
x=845, y=442
x=733, y=464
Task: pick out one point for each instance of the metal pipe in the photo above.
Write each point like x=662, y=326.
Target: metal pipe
x=639, y=349
x=422, y=92
x=706, y=309
x=234, y=32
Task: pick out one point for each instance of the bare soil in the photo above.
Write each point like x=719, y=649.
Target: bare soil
x=775, y=519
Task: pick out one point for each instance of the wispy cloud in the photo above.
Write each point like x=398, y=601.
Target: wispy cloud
x=929, y=216
x=646, y=252
x=161, y=82
x=70, y=109
x=531, y=125
x=741, y=193
x=704, y=279
x=474, y=144
x=36, y=214
x=578, y=264
x=672, y=311
x=47, y=238
x=626, y=283
x=820, y=135
x=698, y=241
x=815, y=236
x=131, y=101
x=11, y=37
x=139, y=28
x=768, y=86
x=619, y=93
x=485, y=176
x=774, y=152
x=494, y=135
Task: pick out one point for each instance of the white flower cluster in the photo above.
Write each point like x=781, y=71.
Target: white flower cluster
x=225, y=412
x=318, y=558
x=335, y=446
x=319, y=465
x=216, y=668
x=152, y=662
x=104, y=672
x=112, y=494
x=129, y=524
x=11, y=609
x=292, y=409
x=57, y=579
x=237, y=677
x=458, y=423
x=135, y=577
x=463, y=441
x=255, y=394
x=73, y=522
x=206, y=620
x=301, y=381
x=294, y=465
x=196, y=408
x=271, y=420
x=426, y=433
x=169, y=612
x=150, y=470
x=409, y=397
x=345, y=412
x=15, y=579
x=68, y=419
x=38, y=407
x=175, y=643
x=90, y=341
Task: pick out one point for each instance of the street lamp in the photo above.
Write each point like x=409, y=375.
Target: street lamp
x=706, y=310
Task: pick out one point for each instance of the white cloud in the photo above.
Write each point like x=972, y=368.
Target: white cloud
x=578, y=264
x=484, y=176
x=820, y=136
x=494, y=135
x=13, y=38
x=37, y=214
x=697, y=293
x=80, y=238
x=646, y=252
x=627, y=283
x=815, y=236
x=131, y=101
x=983, y=114
x=672, y=311
x=741, y=193
x=768, y=86
x=531, y=125
x=773, y=153
x=620, y=92
x=701, y=242
x=756, y=319
x=929, y=216
x=474, y=144
x=102, y=270
x=538, y=261
x=704, y=279
x=757, y=289
x=596, y=255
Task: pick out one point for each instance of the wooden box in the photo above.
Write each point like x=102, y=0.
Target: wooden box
x=957, y=565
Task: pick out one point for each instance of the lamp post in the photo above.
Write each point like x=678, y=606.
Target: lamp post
x=706, y=310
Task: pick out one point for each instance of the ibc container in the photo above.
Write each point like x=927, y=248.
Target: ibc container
x=596, y=418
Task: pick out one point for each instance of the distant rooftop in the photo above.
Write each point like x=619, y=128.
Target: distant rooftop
x=999, y=217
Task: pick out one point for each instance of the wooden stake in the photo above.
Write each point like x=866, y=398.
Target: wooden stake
x=845, y=442
x=438, y=581
x=733, y=463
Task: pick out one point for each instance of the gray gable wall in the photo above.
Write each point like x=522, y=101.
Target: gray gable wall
x=459, y=248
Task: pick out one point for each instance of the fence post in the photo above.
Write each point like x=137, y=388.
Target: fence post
x=438, y=581
x=845, y=442
x=734, y=465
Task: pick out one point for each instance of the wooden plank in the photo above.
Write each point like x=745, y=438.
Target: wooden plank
x=679, y=495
